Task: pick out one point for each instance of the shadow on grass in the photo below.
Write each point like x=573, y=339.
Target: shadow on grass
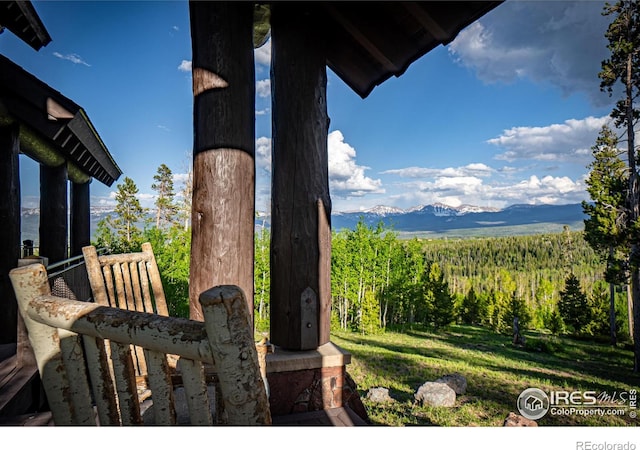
x=496, y=371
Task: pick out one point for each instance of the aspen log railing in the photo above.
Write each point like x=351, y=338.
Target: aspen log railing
x=70, y=336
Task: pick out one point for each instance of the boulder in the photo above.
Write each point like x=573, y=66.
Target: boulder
x=435, y=394
x=455, y=381
x=379, y=395
x=516, y=420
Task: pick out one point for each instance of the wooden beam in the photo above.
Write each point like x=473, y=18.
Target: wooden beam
x=224, y=149
x=80, y=235
x=53, y=212
x=427, y=22
x=10, y=229
x=300, y=201
x=361, y=39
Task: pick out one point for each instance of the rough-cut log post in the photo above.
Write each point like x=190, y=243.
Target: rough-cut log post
x=80, y=218
x=10, y=229
x=53, y=212
x=300, y=202
x=223, y=203
x=230, y=334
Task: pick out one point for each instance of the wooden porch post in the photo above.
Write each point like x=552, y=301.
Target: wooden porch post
x=53, y=212
x=10, y=229
x=222, y=213
x=80, y=218
x=300, y=201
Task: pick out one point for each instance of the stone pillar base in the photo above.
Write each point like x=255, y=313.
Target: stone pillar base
x=313, y=380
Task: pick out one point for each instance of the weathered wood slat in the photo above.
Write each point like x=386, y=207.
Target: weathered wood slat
x=75, y=367
x=195, y=388
x=119, y=258
x=136, y=286
x=101, y=380
x=110, y=285
x=126, y=387
x=144, y=285
x=128, y=288
x=119, y=283
x=160, y=384
x=156, y=282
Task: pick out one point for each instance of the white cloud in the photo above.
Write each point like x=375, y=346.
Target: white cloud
x=568, y=141
x=556, y=42
x=263, y=88
x=473, y=169
x=346, y=178
x=175, y=28
x=262, y=55
x=481, y=185
x=185, y=66
x=73, y=57
x=263, y=153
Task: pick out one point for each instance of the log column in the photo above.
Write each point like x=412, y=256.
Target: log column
x=222, y=214
x=300, y=201
x=53, y=212
x=80, y=218
x=10, y=229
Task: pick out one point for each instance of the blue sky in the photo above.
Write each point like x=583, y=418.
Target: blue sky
x=505, y=114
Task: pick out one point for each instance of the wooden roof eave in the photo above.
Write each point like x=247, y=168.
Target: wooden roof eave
x=21, y=18
x=62, y=127
x=369, y=42
x=368, y=46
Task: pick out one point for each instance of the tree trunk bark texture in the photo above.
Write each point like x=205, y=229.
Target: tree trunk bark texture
x=222, y=247
x=300, y=201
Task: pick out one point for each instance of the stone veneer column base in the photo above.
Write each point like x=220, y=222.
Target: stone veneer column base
x=312, y=380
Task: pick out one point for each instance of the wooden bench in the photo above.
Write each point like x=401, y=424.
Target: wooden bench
x=84, y=386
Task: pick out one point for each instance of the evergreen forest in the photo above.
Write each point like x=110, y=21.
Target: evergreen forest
x=552, y=282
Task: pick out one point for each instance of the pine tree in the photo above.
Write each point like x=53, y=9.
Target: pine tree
x=470, y=308
x=166, y=209
x=623, y=35
x=574, y=305
x=128, y=213
x=605, y=230
x=442, y=303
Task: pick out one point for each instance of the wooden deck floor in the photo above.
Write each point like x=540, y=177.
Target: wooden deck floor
x=335, y=417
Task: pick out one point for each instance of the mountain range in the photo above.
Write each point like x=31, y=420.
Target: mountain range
x=442, y=218
x=435, y=219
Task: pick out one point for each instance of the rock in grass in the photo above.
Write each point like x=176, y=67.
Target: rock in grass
x=516, y=420
x=379, y=395
x=455, y=381
x=435, y=394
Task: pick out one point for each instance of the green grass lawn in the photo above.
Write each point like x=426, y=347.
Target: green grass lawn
x=496, y=372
